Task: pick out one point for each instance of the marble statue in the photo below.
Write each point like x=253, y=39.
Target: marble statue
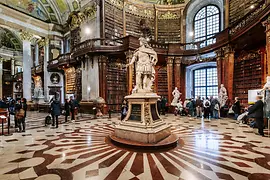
x=222, y=96
x=267, y=85
x=145, y=58
x=176, y=95
x=38, y=91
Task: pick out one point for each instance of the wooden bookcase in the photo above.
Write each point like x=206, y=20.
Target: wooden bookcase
x=116, y=85
x=169, y=30
x=162, y=89
x=113, y=21
x=247, y=76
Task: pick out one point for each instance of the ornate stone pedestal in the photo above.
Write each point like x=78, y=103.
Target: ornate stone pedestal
x=143, y=123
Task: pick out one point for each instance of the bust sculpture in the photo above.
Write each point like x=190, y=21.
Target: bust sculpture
x=145, y=59
x=176, y=94
x=222, y=96
x=267, y=85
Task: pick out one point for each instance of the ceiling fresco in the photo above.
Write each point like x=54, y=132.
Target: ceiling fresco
x=54, y=11
x=9, y=40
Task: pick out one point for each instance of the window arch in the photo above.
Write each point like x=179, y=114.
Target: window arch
x=207, y=24
x=205, y=82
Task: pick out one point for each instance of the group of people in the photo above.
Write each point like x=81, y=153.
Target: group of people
x=71, y=106
x=17, y=110
x=202, y=107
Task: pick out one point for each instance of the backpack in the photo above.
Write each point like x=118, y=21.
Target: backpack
x=216, y=107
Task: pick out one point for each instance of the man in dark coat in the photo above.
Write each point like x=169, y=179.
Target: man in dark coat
x=257, y=109
x=56, y=111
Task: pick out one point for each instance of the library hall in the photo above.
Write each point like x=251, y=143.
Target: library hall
x=134, y=89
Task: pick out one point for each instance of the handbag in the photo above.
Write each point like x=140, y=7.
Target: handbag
x=20, y=114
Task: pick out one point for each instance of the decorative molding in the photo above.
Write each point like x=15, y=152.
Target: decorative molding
x=169, y=15
x=76, y=18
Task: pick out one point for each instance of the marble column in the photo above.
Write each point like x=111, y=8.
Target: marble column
x=45, y=70
x=1, y=79
x=27, y=62
x=219, y=58
x=130, y=71
x=36, y=55
x=12, y=74
x=177, y=72
x=229, y=60
x=170, y=77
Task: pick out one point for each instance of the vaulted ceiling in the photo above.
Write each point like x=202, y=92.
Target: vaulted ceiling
x=55, y=11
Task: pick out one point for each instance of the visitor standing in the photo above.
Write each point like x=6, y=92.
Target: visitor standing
x=199, y=105
x=56, y=111
x=124, y=109
x=257, y=109
x=236, y=108
x=11, y=110
x=67, y=109
x=216, y=108
x=74, y=105
x=163, y=105
x=206, y=105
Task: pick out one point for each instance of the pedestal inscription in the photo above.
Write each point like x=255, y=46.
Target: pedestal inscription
x=135, y=112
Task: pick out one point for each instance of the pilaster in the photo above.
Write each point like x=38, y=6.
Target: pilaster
x=219, y=59
x=1, y=78
x=170, y=77
x=177, y=72
x=229, y=63
x=102, y=77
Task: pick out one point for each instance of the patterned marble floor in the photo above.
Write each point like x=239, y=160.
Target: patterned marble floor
x=219, y=149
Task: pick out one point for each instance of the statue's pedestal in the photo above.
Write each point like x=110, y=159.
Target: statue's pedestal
x=142, y=123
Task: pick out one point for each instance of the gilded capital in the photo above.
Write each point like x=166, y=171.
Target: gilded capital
x=170, y=60
x=178, y=60
x=25, y=35
x=43, y=42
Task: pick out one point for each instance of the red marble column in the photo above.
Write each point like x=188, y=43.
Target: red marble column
x=177, y=72
x=170, y=77
x=219, y=66
x=103, y=79
x=229, y=63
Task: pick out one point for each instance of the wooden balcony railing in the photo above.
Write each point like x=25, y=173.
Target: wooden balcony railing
x=103, y=46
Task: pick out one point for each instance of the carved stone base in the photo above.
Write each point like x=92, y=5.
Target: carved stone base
x=143, y=123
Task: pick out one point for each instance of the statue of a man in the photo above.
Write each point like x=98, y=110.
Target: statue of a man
x=146, y=59
x=176, y=94
x=222, y=96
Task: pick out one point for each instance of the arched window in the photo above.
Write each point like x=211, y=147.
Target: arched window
x=207, y=24
x=205, y=82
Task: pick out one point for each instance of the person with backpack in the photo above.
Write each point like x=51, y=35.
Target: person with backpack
x=206, y=105
x=55, y=111
x=199, y=106
x=236, y=108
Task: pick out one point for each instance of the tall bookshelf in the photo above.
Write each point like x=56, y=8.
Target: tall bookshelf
x=247, y=75
x=162, y=89
x=113, y=21
x=169, y=30
x=116, y=85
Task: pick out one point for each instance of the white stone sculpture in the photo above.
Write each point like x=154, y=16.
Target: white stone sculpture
x=267, y=85
x=176, y=94
x=38, y=91
x=146, y=59
x=222, y=96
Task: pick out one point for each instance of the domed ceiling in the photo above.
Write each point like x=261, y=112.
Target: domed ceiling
x=55, y=11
